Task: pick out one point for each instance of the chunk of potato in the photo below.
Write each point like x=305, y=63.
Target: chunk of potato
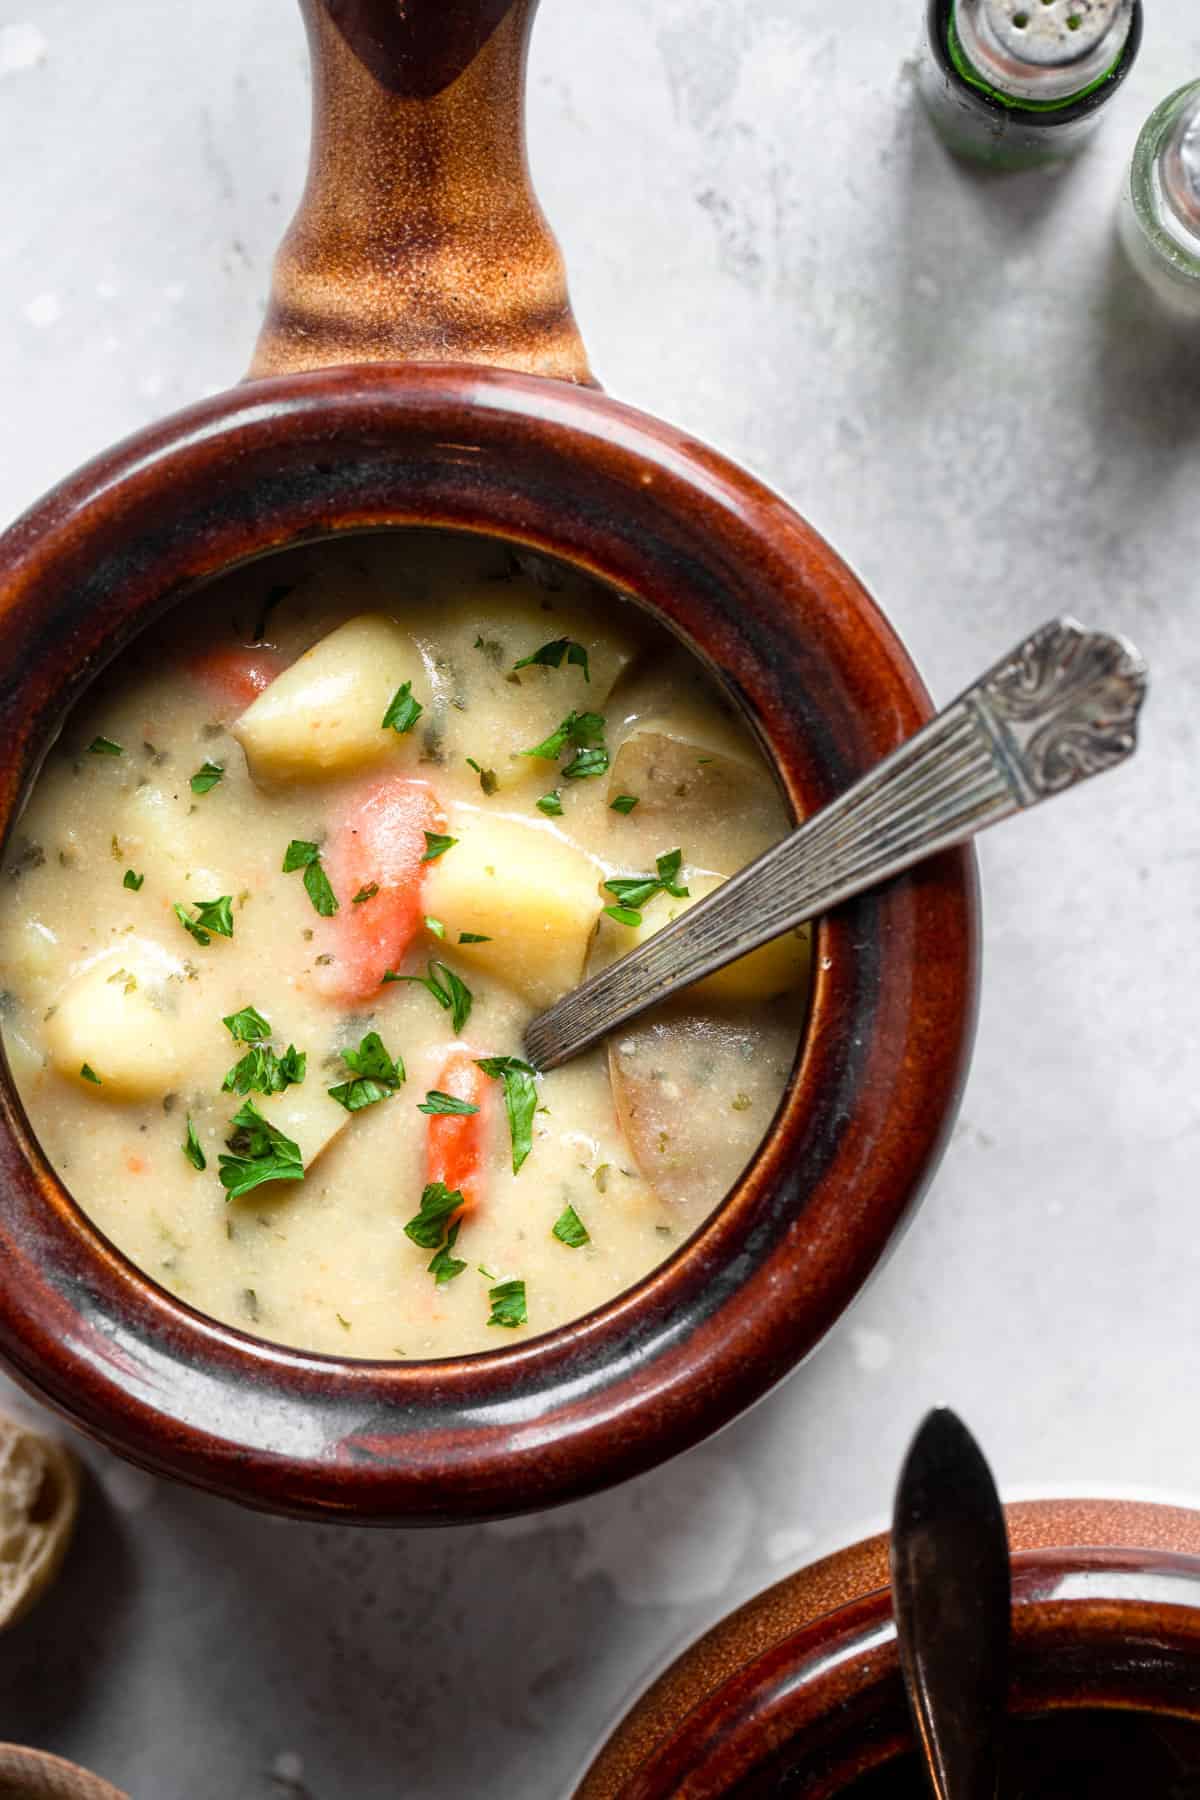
x=39, y=1498
x=534, y=898
x=323, y=717
x=115, y=1018
x=307, y=1115
x=695, y=1091
x=775, y=968
x=483, y=707
x=713, y=804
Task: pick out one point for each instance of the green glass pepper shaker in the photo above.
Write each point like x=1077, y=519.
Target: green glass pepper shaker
x=1160, y=205
x=1014, y=83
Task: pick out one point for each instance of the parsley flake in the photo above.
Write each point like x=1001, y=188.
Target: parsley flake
x=403, y=712
x=262, y=1071
x=436, y=926
x=437, y=1102
x=247, y=1026
x=206, y=777
x=487, y=777
x=632, y=892
x=191, y=1147
x=365, y=893
x=551, y=805
x=376, y=1076
x=452, y=994
x=520, y=1100
x=581, y=732
x=211, y=915
x=570, y=1229
x=624, y=803
x=444, y=1266
x=427, y=1228
x=87, y=1073
x=102, y=746
x=472, y=937
x=258, y=1152
x=508, y=1305
x=436, y=845
x=300, y=854
x=551, y=655
x=133, y=881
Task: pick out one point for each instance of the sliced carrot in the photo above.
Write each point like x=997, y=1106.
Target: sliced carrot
x=233, y=676
x=376, y=844
x=456, y=1143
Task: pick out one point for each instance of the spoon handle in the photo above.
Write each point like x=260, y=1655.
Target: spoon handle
x=952, y=1598
x=1062, y=706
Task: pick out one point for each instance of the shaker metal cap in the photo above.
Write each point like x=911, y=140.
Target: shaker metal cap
x=1043, y=50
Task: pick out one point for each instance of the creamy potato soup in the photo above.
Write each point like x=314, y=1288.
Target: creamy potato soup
x=288, y=891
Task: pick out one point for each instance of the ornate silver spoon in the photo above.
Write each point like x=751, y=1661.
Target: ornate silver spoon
x=1061, y=707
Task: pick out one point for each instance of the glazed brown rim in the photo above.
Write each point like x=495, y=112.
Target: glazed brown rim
x=733, y=570
x=805, y=1677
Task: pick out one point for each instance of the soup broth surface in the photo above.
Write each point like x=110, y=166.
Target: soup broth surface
x=192, y=1025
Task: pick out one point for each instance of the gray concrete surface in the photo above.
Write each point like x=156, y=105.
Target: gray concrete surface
x=953, y=377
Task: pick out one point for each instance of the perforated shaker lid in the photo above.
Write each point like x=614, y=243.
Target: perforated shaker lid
x=1043, y=50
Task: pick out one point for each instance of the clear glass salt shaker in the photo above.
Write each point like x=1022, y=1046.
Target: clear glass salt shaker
x=1160, y=204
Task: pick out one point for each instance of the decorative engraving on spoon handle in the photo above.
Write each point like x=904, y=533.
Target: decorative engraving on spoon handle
x=1063, y=706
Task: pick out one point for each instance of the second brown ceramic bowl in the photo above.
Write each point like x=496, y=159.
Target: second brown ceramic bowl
x=799, y=1693
x=714, y=556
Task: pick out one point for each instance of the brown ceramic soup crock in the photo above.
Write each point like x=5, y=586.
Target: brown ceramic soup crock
x=418, y=256
x=799, y=1693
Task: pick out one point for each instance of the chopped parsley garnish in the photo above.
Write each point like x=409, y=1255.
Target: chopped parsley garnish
x=436, y=845
x=365, y=893
x=262, y=1071
x=570, y=1229
x=102, y=746
x=404, y=711
x=592, y=761
x=453, y=995
x=436, y=926
x=133, y=881
x=550, y=656
x=508, y=1305
x=211, y=915
x=258, y=1152
x=487, y=777
x=624, y=803
x=520, y=1101
x=437, y=1102
x=583, y=733
x=472, y=937
x=632, y=892
x=550, y=804
x=247, y=1026
x=427, y=1228
x=191, y=1147
x=206, y=777
x=300, y=854
x=376, y=1076
x=87, y=1073
x=444, y=1266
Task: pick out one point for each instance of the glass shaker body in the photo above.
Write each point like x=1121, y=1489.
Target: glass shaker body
x=1160, y=205
x=1016, y=83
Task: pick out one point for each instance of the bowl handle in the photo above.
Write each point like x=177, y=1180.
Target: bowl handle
x=418, y=236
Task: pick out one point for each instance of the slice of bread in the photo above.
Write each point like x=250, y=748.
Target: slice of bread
x=39, y=1498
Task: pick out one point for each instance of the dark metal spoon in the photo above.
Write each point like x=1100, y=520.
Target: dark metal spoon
x=952, y=1593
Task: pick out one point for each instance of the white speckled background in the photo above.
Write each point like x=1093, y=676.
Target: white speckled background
x=951, y=374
